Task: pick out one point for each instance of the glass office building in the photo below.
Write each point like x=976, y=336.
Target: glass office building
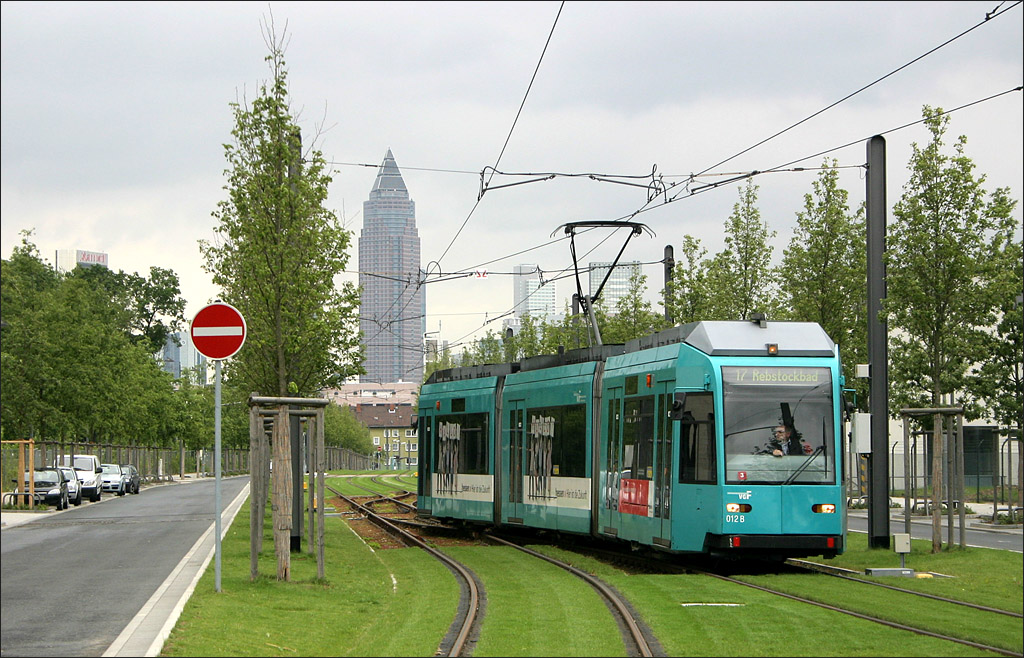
x=392, y=314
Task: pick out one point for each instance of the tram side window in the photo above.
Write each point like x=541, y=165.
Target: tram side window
x=566, y=427
x=463, y=436
x=638, y=438
x=697, y=463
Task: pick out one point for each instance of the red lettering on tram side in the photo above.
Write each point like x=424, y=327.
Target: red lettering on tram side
x=633, y=497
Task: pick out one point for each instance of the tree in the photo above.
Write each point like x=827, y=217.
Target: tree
x=999, y=380
x=943, y=268
x=824, y=270
x=25, y=374
x=150, y=308
x=689, y=296
x=278, y=249
x=741, y=275
x=193, y=413
x=570, y=332
x=488, y=349
x=69, y=369
x=634, y=316
x=343, y=429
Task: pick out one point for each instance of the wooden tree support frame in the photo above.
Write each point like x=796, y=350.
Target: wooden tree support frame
x=26, y=457
x=948, y=428
x=269, y=435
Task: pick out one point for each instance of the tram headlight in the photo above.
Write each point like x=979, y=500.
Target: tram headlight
x=736, y=508
x=824, y=508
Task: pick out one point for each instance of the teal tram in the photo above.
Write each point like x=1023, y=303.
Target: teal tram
x=720, y=438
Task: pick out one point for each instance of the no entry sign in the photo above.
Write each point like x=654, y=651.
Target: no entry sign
x=218, y=331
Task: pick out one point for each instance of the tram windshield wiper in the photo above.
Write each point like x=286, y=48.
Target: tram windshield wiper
x=749, y=429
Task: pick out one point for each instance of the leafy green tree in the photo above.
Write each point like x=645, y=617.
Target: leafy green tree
x=278, y=250
x=743, y=270
x=529, y=336
x=824, y=271
x=569, y=332
x=26, y=285
x=69, y=368
x=689, y=295
x=999, y=380
x=151, y=307
x=343, y=429
x=734, y=282
x=942, y=294
x=192, y=421
x=487, y=349
x=634, y=316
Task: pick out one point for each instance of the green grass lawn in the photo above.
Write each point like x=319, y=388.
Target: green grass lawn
x=694, y=615
x=397, y=602
x=401, y=602
x=535, y=608
x=984, y=576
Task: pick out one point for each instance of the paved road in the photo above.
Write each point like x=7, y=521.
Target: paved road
x=975, y=533
x=75, y=582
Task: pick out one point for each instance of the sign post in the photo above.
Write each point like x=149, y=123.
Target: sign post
x=218, y=331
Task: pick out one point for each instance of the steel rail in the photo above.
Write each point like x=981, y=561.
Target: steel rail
x=877, y=620
x=407, y=506
x=616, y=601
x=825, y=569
x=648, y=562
x=471, y=594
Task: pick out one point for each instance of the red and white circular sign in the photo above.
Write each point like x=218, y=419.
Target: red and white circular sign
x=218, y=331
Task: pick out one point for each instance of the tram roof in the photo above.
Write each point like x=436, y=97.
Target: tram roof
x=738, y=338
x=712, y=337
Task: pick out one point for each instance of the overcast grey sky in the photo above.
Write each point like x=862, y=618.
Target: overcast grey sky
x=114, y=117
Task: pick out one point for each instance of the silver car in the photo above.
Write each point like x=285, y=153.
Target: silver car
x=74, y=485
x=113, y=479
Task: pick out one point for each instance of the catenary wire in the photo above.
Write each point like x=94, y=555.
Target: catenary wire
x=994, y=14
x=509, y=137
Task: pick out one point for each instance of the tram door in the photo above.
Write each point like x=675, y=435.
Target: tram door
x=663, y=463
x=516, y=419
x=611, y=463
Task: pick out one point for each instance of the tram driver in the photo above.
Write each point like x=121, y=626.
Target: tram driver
x=786, y=441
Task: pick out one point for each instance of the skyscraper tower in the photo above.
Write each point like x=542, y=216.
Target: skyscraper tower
x=531, y=294
x=617, y=285
x=392, y=314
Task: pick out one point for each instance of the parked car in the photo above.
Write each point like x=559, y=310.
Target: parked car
x=132, y=477
x=89, y=472
x=113, y=479
x=74, y=484
x=50, y=487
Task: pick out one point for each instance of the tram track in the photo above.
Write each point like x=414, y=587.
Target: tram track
x=662, y=565
x=635, y=638
x=871, y=618
x=469, y=612
x=637, y=643
x=831, y=571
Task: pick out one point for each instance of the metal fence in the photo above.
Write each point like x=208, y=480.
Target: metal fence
x=991, y=469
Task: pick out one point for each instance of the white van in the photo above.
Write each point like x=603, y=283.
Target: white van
x=89, y=472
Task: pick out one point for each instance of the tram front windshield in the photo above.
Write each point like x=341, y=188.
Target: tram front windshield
x=778, y=424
